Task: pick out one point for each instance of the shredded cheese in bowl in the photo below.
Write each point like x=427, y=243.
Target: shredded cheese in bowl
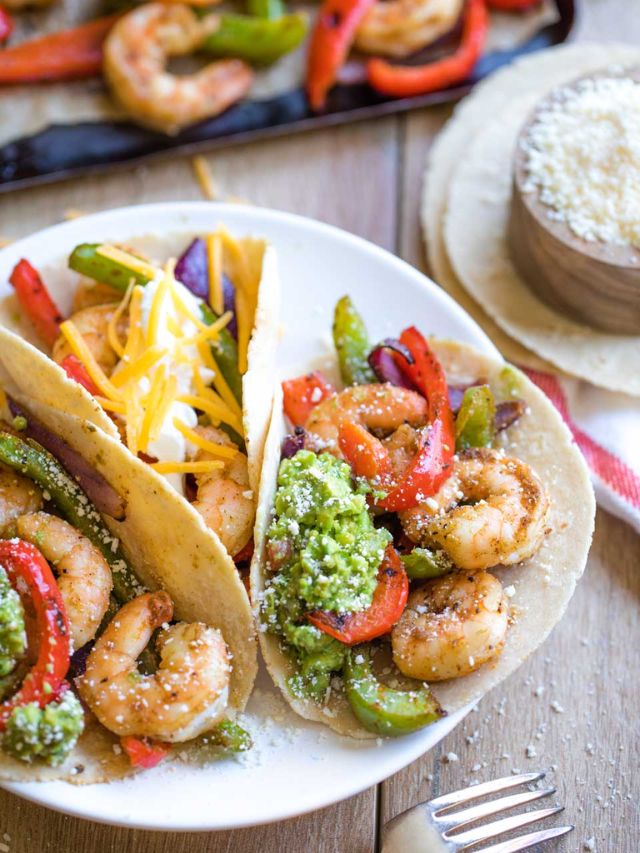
x=583, y=157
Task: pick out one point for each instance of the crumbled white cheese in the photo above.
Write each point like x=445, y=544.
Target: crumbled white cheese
x=583, y=155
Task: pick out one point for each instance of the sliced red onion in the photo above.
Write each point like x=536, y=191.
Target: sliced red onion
x=508, y=413
x=456, y=393
x=101, y=493
x=192, y=270
x=292, y=443
x=229, y=296
x=78, y=662
x=386, y=368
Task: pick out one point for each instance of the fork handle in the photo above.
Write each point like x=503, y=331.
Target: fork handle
x=412, y=832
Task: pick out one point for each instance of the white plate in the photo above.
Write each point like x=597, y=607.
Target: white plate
x=295, y=766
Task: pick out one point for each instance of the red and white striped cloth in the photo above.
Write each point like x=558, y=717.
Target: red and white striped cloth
x=606, y=428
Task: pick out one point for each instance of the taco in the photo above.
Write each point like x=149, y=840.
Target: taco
x=126, y=636
x=168, y=346
x=419, y=533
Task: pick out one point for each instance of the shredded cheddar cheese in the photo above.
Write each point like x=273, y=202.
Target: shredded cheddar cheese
x=202, y=467
x=82, y=351
x=210, y=446
x=214, y=255
x=126, y=259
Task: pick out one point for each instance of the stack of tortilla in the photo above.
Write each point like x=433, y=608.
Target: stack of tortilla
x=466, y=210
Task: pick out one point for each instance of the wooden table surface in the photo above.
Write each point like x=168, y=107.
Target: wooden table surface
x=366, y=178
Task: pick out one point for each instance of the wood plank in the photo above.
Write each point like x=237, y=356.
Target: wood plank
x=590, y=748
x=289, y=174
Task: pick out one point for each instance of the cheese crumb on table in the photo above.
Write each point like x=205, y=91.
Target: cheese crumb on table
x=583, y=155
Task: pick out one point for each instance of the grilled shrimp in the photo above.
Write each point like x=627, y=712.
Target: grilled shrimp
x=92, y=323
x=402, y=27
x=492, y=510
x=135, y=54
x=186, y=696
x=18, y=495
x=224, y=497
x=91, y=293
x=83, y=574
x=377, y=407
x=451, y=626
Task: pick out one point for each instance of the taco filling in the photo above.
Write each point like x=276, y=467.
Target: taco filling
x=80, y=636
x=393, y=506
x=163, y=350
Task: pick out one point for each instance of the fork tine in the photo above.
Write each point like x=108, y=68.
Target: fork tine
x=498, y=827
x=460, y=819
x=472, y=793
x=524, y=842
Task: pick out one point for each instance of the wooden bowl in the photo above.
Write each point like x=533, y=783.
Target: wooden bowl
x=595, y=283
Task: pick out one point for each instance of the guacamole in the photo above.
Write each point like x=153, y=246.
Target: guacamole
x=48, y=734
x=13, y=639
x=325, y=553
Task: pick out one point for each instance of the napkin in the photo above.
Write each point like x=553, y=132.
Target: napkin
x=606, y=427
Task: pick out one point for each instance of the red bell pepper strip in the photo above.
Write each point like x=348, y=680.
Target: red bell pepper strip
x=144, y=752
x=246, y=553
x=405, y=81
x=29, y=573
x=6, y=25
x=303, y=394
x=512, y=5
x=368, y=457
x=65, y=55
x=76, y=370
x=389, y=601
x=35, y=301
x=332, y=36
x=431, y=464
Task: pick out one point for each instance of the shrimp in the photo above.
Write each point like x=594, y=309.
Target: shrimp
x=451, y=626
x=186, y=696
x=18, y=495
x=377, y=407
x=83, y=575
x=135, y=54
x=92, y=293
x=502, y=520
x=92, y=323
x=224, y=498
x=402, y=27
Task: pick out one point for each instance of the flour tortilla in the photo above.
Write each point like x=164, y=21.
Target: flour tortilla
x=43, y=380
x=535, y=74
x=543, y=584
x=169, y=547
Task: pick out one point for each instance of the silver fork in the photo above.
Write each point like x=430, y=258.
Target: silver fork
x=436, y=827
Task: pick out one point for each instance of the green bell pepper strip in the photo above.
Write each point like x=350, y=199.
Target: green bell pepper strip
x=352, y=344
x=86, y=260
x=382, y=710
x=225, y=352
x=269, y=9
x=226, y=737
x=230, y=736
x=475, y=421
x=32, y=460
x=423, y=563
x=260, y=41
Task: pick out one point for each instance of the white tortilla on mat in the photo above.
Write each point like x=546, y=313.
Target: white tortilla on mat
x=475, y=234
x=40, y=378
x=543, y=584
x=536, y=73
x=168, y=545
